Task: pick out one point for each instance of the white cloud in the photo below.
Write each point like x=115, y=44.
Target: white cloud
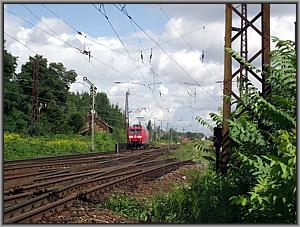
x=174, y=102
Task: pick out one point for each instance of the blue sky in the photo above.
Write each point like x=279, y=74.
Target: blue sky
x=86, y=18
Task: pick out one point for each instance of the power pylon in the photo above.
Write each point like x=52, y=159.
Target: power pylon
x=263, y=52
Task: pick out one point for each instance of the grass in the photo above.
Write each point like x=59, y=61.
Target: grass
x=17, y=146
x=126, y=206
x=189, y=151
x=205, y=198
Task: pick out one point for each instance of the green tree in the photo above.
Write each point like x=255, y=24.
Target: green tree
x=15, y=105
x=76, y=122
x=53, y=84
x=110, y=113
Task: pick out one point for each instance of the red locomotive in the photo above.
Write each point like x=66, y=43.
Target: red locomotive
x=137, y=137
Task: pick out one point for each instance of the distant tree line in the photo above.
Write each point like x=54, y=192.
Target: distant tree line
x=156, y=133
x=59, y=110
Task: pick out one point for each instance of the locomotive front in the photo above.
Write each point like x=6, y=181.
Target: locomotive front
x=138, y=137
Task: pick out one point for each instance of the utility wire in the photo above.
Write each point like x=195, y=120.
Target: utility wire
x=101, y=115
x=93, y=40
x=140, y=43
x=105, y=15
x=81, y=51
x=123, y=44
x=177, y=37
x=57, y=34
x=126, y=14
x=81, y=33
x=185, y=41
x=60, y=18
x=39, y=19
x=179, y=32
x=43, y=30
x=21, y=43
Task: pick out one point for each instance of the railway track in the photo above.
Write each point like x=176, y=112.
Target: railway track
x=44, y=164
x=30, y=197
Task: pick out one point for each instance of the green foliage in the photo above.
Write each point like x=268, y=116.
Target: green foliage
x=205, y=200
x=110, y=113
x=60, y=111
x=204, y=123
x=17, y=146
x=104, y=142
x=76, y=122
x=190, y=152
x=120, y=135
x=274, y=193
x=126, y=206
x=15, y=106
x=265, y=143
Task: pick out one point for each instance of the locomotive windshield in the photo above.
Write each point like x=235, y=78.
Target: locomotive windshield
x=135, y=131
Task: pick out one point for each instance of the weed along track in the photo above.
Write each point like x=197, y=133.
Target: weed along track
x=58, y=184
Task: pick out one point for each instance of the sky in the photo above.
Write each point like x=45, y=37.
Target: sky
x=183, y=78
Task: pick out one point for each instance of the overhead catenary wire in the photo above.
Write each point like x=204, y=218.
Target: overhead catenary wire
x=60, y=18
x=185, y=41
x=81, y=51
x=21, y=43
x=123, y=44
x=141, y=45
x=124, y=54
x=57, y=38
x=84, y=35
x=39, y=54
x=126, y=14
x=101, y=114
x=40, y=20
x=105, y=15
x=183, y=34
x=43, y=30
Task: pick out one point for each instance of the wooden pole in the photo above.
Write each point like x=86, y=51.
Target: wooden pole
x=227, y=88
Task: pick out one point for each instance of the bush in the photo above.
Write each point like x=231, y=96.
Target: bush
x=129, y=207
x=17, y=146
x=205, y=200
x=104, y=142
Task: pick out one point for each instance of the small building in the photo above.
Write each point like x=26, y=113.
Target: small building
x=100, y=125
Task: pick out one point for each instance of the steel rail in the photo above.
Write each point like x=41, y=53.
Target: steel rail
x=36, y=213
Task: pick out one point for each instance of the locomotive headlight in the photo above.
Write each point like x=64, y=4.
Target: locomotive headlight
x=139, y=137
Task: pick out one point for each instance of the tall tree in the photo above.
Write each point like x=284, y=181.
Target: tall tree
x=15, y=105
x=53, y=84
x=108, y=112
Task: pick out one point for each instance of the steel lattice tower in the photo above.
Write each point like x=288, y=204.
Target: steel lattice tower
x=263, y=52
